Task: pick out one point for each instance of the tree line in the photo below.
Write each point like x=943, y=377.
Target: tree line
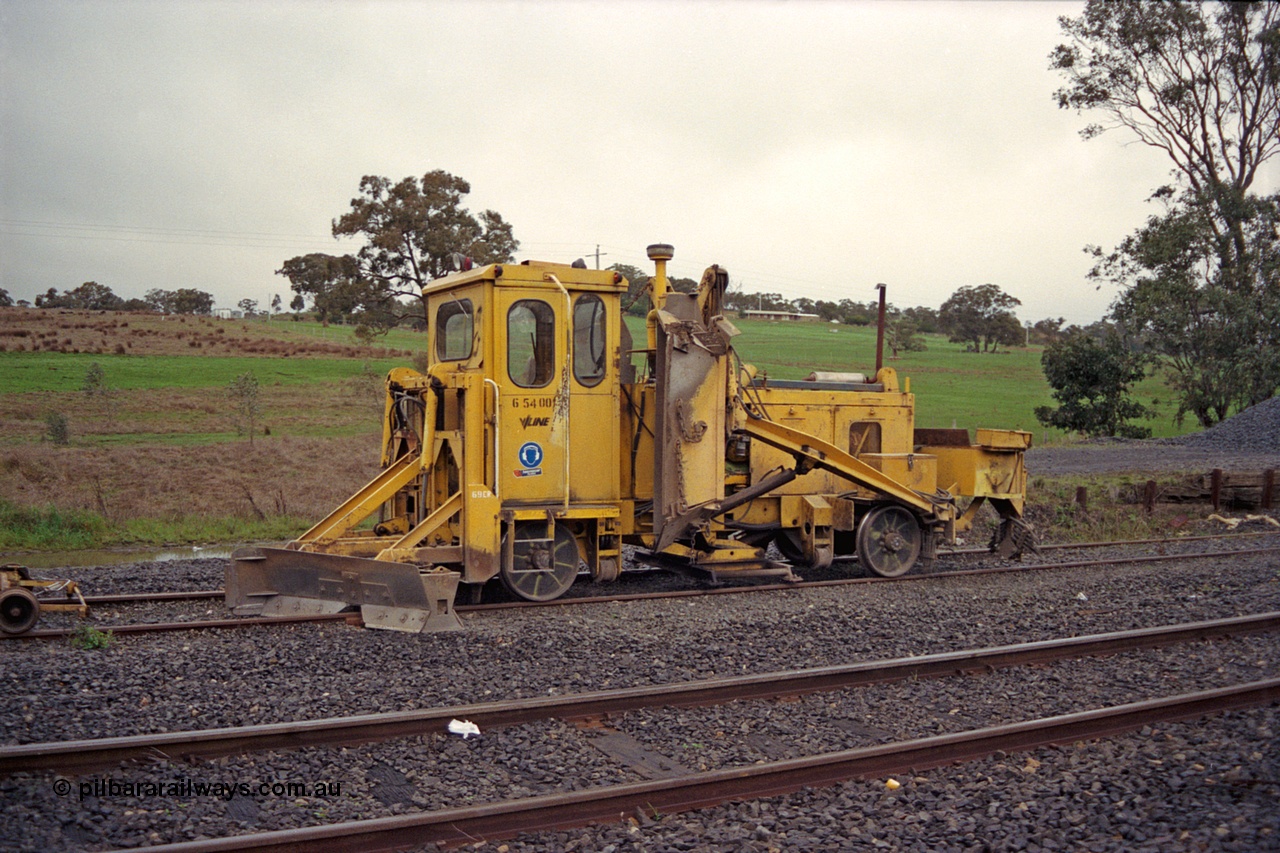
x=92, y=296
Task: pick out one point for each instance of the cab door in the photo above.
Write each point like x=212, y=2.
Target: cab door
x=534, y=422
x=594, y=405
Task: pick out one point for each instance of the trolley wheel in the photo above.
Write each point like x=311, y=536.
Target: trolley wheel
x=540, y=569
x=19, y=610
x=889, y=539
x=609, y=569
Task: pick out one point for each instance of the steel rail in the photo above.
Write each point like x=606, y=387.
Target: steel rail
x=162, y=627
x=606, y=804
x=1163, y=540
x=126, y=598
x=773, y=587
x=353, y=617
x=82, y=755
x=132, y=597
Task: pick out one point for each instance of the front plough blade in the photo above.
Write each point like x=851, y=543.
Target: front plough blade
x=391, y=596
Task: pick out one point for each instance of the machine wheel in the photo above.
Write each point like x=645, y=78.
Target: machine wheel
x=889, y=540
x=19, y=610
x=540, y=569
x=789, y=546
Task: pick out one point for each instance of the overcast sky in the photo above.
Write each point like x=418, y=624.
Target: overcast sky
x=812, y=149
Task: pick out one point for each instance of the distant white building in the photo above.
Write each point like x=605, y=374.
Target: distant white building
x=778, y=315
x=227, y=314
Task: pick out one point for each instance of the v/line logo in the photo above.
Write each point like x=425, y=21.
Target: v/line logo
x=529, y=420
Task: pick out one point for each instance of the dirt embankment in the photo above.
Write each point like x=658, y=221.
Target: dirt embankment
x=131, y=333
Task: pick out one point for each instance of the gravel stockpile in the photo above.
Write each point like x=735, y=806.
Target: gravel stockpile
x=205, y=679
x=1257, y=428
x=1248, y=441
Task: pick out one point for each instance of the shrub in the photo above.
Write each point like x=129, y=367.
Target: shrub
x=89, y=638
x=56, y=428
x=246, y=409
x=1091, y=381
x=95, y=381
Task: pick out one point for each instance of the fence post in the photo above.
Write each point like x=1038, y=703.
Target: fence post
x=1149, y=496
x=1082, y=498
x=1268, y=487
x=1215, y=488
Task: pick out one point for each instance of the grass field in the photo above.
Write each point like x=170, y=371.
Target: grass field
x=156, y=460
x=65, y=372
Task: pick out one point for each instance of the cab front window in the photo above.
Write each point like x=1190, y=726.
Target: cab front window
x=531, y=343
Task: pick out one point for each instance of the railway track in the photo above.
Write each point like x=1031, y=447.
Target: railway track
x=174, y=682
x=83, y=755
x=454, y=826
x=354, y=618
x=195, y=595
x=508, y=818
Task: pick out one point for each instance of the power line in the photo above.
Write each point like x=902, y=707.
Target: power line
x=146, y=234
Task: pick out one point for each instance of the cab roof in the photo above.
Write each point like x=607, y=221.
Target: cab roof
x=531, y=273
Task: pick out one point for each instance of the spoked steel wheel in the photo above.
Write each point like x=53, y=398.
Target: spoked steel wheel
x=889, y=539
x=541, y=568
x=19, y=610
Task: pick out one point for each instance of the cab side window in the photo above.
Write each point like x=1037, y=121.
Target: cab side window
x=589, y=340
x=531, y=343
x=455, y=327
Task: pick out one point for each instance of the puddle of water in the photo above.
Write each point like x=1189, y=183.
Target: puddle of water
x=80, y=559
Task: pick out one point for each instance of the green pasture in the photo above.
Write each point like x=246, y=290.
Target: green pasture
x=951, y=386
x=22, y=372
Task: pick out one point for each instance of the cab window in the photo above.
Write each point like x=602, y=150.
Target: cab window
x=455, y=326
x=588, y=340
x=531, y=343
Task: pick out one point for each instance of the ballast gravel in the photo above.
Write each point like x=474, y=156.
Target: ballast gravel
x=1208, y=784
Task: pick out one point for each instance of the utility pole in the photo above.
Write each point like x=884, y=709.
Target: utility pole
x=598, y=254
x=880, y=331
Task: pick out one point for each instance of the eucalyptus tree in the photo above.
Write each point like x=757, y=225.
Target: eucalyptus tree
x=1199, y=82
x=413, y=230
